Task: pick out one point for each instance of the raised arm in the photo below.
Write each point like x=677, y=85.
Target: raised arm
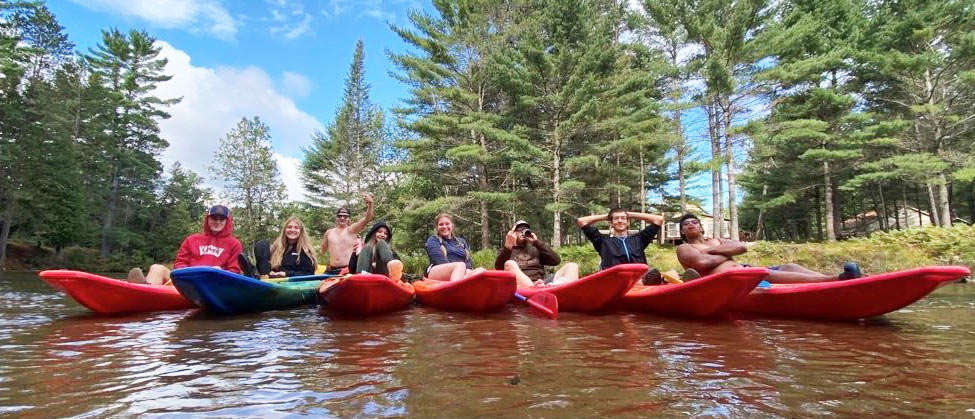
x=589, y=219
x=728, y=248
x=650, y=218
x=690, y=257
x=360, y=225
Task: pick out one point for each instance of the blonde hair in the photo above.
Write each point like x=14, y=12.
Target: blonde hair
x=281, y=244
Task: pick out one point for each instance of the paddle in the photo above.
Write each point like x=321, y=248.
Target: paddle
x=543, y=302
x=302, y=278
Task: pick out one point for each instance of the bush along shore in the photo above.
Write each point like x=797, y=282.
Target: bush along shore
x=881, y=252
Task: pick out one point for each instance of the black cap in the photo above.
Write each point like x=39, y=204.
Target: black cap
x=219, y=210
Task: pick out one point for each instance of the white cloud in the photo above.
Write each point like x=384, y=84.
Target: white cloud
x=192, y=15
x=376, y=9
x=295, y=85
x=289, y=19
x=290, y=168
x=214, y=100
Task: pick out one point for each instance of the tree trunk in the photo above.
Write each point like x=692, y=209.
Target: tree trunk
x=681, y=155
x=643, y=194
x=730, y=155
x=830, y=209
x=715, y=170
x=761, y=213
x=557, y=195
x=819, y=217
x=108, y=219
x=6, y=219
x=883, y=207
x=935, y=217
x=943, y=201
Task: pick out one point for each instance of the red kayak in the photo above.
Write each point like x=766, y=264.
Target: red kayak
x=486, y=291
x=365, y=294
x=702, y=297
x=852, y=299
x=592, y=292
x=112, y=296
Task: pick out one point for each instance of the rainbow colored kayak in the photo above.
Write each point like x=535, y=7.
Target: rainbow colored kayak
x=852, y=299
x=593, y=292
x=365, y=294
x=703, y=297
x=225, y=292
x=114, y=296
x=483, y=292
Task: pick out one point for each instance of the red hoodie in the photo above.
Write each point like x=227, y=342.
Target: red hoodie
x=209, y=249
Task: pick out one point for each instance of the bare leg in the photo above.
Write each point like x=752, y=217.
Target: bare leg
x=395, y=269
x=453, y=271
x=523, y=280
x=792, y=267
x=158, y=275
x=473, y=272
x=567, y=273
x=793, y=277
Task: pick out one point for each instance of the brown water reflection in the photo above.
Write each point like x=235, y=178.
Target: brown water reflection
x=56, y=360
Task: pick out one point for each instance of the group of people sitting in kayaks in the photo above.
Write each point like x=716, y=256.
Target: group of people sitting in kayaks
x=523, y=253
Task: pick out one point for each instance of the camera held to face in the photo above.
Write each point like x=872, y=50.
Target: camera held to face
x=527, y=233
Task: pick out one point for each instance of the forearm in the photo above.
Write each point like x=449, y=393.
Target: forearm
x=546, y=255
x=589, y=219
x=650, y=218
x=728, y=250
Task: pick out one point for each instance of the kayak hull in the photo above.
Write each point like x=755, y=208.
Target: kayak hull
x=105, y=295
x=703, y=297
x=483, y=292
x=365, y=294
x=594, y=292
x=848, y=300
x=224, y=292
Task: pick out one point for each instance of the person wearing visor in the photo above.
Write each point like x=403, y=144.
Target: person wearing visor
x=618, y=246
x=340, y=241
x=526, y=256
x=215, y=246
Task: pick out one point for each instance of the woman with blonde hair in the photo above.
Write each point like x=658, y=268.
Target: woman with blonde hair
x=291, y=254
x=450, y=258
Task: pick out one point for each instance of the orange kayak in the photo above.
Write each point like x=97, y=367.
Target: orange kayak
x=105, y=295
x=486, y=291
x=592, y=292
x=702, y=297
x=365, y=294
x=852, y=299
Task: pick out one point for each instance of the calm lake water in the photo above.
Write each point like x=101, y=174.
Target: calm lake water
x=57, y=359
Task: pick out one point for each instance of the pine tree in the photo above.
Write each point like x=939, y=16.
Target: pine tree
x=347, y=160
x=465, y=159
x=128, y=68
x=245, y=163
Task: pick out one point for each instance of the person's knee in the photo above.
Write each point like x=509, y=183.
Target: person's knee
x=511, y=266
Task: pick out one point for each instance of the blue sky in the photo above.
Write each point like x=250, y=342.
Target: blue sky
x=283, y=60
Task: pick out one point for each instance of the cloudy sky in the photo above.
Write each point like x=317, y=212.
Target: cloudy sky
x=282, y=60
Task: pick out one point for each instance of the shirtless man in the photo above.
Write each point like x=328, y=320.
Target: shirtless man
x=708, y=256
x=339, y=241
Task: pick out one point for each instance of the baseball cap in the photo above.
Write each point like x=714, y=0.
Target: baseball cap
x=522, y=222
x=219, y=210
x=342, y=211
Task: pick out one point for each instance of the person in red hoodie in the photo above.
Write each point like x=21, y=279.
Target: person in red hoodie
x=216, y=246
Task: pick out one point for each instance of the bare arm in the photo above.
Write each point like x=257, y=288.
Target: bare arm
x=728, y=248
x=589, y=219
x=650, y=218
x=690, y=257
x=360, y=225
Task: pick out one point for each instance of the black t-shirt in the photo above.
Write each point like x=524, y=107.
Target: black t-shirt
x=618, y=250
x=295, y=264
